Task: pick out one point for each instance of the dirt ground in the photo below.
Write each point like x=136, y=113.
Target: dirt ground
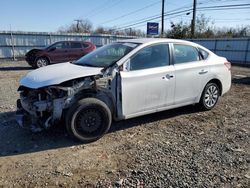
x=175, y=148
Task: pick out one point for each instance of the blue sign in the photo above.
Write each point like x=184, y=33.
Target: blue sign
x=152, y=28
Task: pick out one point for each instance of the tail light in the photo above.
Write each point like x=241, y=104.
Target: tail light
x=228, y=65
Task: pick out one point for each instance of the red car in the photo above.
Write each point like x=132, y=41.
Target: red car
x=59, y=52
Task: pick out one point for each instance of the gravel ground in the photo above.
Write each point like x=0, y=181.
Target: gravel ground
x=175, y=148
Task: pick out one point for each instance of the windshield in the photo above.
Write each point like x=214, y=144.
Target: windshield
x=106, y=55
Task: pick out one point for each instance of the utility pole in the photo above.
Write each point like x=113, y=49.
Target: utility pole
x=12, y=44
x=77, y=25
x=162, y=18
x=193, y=20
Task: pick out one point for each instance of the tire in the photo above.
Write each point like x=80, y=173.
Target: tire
x=209, y=97
x=41, y=62
x=88, y=120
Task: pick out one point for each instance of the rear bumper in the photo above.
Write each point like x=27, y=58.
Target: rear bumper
x=226, y=83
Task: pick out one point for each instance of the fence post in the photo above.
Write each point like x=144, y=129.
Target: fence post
x=246, y=51
x=215, y=46
x=50, y=39
x=12, y=44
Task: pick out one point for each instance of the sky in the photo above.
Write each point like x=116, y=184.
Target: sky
x=50, y=15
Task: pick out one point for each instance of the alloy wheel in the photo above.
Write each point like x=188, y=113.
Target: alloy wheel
x=211, y=96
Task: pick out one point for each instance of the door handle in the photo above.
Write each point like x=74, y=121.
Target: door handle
x=168, y=76
x=203, y=72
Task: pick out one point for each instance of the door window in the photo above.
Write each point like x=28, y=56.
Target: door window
x=76, y=45
x=185, y=53
x=59, y=45
x=204, y=54
x=150, y=57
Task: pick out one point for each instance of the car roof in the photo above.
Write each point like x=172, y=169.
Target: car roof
x=156, y=40
x=72, y=41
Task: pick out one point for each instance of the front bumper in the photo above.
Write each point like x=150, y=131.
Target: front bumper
x=22, y=117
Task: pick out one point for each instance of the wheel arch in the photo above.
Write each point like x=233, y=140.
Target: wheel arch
x=101, y=95
x=217, y=82
x=213, y=80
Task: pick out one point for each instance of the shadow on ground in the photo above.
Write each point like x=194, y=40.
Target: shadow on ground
x=20, y=68
x=245, y=80
x=15, y=140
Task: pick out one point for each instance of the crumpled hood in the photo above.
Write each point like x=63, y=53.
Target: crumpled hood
x=34, y=50
x=56, y=74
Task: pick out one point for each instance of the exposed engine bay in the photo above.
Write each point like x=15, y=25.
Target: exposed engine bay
x=39, y=109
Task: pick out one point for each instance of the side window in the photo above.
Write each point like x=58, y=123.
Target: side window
x=76, y=45
x=150, y=57
x=62, y=45
x=185, y=53
x=57, y=45
x=204, y=54
x=85, y=45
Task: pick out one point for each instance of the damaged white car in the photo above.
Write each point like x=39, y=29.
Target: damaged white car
x=120, y=81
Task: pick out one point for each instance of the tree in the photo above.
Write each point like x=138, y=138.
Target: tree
x=205, y=29
x=80, y=26
x=237, y=32
x=100, y=30
x=179, y=31
x=128, y=32
x=183, y=29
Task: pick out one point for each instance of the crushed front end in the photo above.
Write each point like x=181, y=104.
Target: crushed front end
x=39, y=109
x=31, y=56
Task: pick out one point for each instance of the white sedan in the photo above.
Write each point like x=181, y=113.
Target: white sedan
x=122, y=80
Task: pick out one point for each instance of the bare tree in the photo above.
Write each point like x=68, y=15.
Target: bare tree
x=182, y=29
x=79, y=26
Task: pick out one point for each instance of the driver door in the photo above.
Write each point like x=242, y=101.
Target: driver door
x=149, y=83
x=60, y=52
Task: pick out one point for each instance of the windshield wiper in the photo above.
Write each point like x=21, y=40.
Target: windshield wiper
x=87, y=65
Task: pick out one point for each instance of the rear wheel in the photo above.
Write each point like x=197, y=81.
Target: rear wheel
x=41, y=62
x=210, y=96
x=88, y=119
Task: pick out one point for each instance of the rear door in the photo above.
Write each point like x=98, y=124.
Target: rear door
x=76, y=50
x=149, y=83
x=190, y=71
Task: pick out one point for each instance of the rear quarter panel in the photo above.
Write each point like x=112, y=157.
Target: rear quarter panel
x=219, y=71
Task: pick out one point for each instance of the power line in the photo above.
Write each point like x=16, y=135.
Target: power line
x=153, y=18
x=114, y=3
x=230, y=8
x=156, y=21
x=221, y=7
x=236, y=19
x=133, y=12
x=156, y=16
x=107, y=4
x=97, y=8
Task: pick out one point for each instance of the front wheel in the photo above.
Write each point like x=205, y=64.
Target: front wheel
x=88, y=119
x=41, y=62
x=210, y=96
